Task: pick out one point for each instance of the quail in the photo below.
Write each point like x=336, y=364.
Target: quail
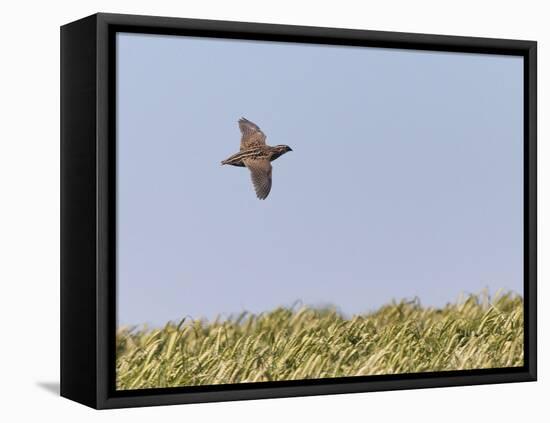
x=257, y=156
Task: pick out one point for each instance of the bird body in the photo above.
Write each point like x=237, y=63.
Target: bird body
x=265, y=152
x=257, y=156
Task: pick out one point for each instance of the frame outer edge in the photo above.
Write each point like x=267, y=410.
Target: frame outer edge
x=78, y=213
x=103, y=133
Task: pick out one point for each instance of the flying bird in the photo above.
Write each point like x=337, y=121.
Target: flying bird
x=257, y=156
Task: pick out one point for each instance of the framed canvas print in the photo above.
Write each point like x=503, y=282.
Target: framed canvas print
x=257, y=211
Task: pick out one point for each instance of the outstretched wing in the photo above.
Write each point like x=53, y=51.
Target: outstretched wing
x=260, y=171
x=252, y=135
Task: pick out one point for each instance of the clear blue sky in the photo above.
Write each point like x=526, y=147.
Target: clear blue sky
x=405, y=179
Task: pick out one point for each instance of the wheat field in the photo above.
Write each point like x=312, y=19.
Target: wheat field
x=306, y=343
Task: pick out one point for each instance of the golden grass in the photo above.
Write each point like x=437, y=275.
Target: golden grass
x=287, y=344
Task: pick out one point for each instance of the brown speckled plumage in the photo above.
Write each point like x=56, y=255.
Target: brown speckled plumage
x=257, y=156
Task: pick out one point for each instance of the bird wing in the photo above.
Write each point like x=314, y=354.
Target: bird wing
x=252, y=135
x=260, y=171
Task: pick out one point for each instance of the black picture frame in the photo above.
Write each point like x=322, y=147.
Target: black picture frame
x=88, y=200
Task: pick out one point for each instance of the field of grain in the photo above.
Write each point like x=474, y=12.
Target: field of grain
x=305, y=343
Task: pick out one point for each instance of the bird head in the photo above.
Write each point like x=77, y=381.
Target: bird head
x=279, y=150
x=283, y=148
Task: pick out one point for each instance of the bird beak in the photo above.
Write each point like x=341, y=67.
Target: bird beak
x=290, y=149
